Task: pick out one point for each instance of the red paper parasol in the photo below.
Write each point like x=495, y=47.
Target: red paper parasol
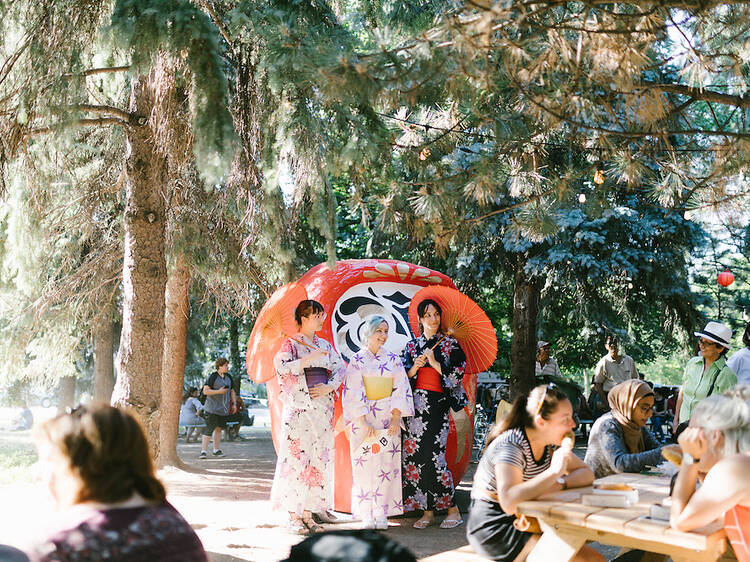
x=464, y=320
x=274, y=323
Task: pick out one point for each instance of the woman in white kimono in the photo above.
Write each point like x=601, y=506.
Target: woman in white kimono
x=376, y=396
x=309, y=371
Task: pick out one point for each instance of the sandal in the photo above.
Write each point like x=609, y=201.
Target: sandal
x=297, y=527
x=423, y=523
x=451, y=523
x=312, y=525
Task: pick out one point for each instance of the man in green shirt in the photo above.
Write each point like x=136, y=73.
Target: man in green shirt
x=706, y=374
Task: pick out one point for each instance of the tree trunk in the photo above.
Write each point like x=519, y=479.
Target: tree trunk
x=144, y=276
x=526, y=295
x=175, y=352
x=234, y=353
x=66, y=394
x=104, y=366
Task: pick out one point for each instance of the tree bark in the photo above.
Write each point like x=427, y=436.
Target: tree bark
x=175, y=352
x=104, y=366
x=234, y=353
x=526, y=293
x=144, y=277
x=66, y=394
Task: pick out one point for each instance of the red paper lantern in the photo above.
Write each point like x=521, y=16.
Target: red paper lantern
x=726, y=278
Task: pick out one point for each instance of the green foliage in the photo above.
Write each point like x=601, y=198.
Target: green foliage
x=146, y=28
x=16, y=461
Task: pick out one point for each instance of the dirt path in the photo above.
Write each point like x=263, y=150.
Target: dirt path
x=227, y=503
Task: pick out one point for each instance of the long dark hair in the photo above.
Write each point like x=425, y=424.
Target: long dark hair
x=746, y=335
x=107, y=450
x=543, y=400
x=422, y=310
x=306, y=308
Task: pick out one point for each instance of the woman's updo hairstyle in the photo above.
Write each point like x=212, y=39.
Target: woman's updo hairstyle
x=730, y=414
x=371, y=325
x=306, y=308
x=106, y=449
x=422, y=310
x=543, y=400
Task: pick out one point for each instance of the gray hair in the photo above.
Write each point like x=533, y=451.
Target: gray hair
x=730, y=415
x=372, y=323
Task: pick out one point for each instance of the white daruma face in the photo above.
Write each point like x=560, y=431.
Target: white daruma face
x=356, y=304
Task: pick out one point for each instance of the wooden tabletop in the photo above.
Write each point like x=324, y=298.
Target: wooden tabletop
x=562, y=513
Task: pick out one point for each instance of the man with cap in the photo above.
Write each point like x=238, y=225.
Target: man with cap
x=612, y=369
x=545, y=365
x=705, y=374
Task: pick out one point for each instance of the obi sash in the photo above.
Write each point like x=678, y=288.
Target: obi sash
x=316, y=375
x=377, y=388
x=429, y=379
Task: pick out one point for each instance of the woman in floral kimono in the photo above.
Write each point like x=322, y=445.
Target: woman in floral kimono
x=436, y=378
x=376, y=396
x=303, y=480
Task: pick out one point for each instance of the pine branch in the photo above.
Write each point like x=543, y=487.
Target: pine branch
x=99, y=122
x=95, y=71
x=702, y=94
x=217, y=22
x=107, y=110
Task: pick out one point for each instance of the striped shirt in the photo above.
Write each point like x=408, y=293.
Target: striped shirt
x=737, y=525
x=511, y=447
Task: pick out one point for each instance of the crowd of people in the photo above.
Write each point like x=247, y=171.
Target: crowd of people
x=397, y=409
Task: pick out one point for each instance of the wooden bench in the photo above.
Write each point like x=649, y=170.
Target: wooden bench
x=202, y=425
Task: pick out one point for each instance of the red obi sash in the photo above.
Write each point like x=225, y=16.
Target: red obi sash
x=429, y=379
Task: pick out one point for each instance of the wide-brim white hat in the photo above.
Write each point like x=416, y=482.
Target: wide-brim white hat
x=717, y=333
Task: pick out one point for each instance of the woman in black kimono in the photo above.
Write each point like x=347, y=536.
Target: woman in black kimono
x=436, y=378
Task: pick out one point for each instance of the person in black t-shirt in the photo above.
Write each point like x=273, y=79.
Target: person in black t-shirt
x=220, y=397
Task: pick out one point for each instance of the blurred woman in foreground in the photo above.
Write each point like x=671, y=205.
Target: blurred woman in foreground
x=716, y=450
x=96, y=464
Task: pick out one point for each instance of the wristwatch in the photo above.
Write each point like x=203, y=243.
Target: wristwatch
x=562, y=482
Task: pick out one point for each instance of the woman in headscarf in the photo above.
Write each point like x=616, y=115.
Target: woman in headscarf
x=619, y=440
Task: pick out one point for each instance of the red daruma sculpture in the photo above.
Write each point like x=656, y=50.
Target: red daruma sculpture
x=349, y=294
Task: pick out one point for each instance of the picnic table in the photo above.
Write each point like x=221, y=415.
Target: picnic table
x=567, y=524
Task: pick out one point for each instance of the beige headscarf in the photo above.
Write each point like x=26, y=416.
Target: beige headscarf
x=623, y=399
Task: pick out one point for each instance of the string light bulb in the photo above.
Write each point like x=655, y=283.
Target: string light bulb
x=581, y=198
x=425, y=154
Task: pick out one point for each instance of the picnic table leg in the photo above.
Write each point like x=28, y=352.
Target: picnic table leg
x=556, y=544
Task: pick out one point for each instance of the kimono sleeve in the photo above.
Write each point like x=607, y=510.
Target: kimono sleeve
x=454, y=367
x=293, y=388
x=337, y=366
x=353, y=398
x=408, y=357
x=402, y=397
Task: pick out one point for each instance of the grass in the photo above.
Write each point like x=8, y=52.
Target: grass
x=16, y=460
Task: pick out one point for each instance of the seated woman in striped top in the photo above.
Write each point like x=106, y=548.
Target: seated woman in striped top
x=716, y=450
x=523, y=460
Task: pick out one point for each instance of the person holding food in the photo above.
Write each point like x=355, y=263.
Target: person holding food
x=619, y=440
x=376, y=396
x=528, y=454
x=716, y=451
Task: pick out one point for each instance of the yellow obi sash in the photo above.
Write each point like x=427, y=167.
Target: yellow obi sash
x=377, y=388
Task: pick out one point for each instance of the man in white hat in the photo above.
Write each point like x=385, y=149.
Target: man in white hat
x=706, y=374
x=545, y=365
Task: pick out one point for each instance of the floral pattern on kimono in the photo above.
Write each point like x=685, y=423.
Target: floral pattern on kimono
x=304, y=467
x=376, y=462
x=428, y=484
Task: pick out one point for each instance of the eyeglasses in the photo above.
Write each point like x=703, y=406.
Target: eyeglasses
x=550, y=386
x=645, y=408
x=704, y=343
x=319, y=316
